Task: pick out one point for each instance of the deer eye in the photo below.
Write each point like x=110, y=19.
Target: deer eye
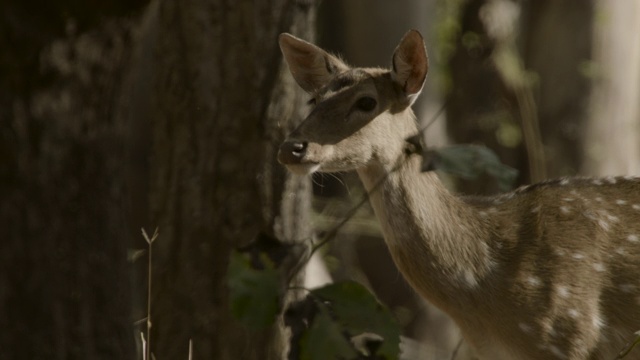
x=366, y=103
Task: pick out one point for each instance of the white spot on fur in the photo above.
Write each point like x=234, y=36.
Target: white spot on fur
x=483, y=213
x=612, y=218
x=620, y=251
x=598, y=267
x=523, y=188
x=611, y=180
x=536, y=209
x=470, y=279
x=564, y=181
x=590, y=215
x=603, y=224
x=626, y=288
x=636, y=206
x=560, y=252
x=557, y=352
x=596, y=182
x=568, y=199
x=527, y=329
x=562, y=291
x=621, y=202
x=632, y=238
x=598, y=199
x=573, y=313
x=565, y=209
x=534, y=281
x=597, y=321
x=578, y=256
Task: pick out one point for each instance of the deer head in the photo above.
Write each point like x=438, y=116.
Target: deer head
x=356, y=110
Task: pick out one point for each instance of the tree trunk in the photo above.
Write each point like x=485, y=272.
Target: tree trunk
x=612, y=144
x=65, y=290
x=108, y=125
x=209, y=84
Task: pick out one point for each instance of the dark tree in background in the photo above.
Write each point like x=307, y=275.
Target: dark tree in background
x=65, y=279
x=134, y=114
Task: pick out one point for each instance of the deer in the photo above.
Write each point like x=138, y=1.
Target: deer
x=546, y=271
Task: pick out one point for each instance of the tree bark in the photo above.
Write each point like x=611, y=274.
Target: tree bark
x=65, y=290
x=219, y=102
x=114, y=122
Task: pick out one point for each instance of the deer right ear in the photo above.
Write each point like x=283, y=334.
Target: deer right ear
x=311, y=67
x=410, y=64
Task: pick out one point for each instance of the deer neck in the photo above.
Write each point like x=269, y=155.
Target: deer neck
x=437, y=241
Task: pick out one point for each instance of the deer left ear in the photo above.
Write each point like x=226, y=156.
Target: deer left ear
x=311, y=67
x=410, y=64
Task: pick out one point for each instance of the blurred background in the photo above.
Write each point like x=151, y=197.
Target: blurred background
x=122, y=115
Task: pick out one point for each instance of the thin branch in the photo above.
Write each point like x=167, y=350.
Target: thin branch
x=149, y=277
x=629, y=347
x=454, y=354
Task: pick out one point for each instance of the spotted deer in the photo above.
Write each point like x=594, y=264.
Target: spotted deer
x=550, y=270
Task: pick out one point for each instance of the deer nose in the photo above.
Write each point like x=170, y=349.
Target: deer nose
x=292, y=152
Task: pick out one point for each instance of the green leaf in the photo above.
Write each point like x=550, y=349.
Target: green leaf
x=253, y=293
x=470, y=161
x=358, y=311
x=325, y=340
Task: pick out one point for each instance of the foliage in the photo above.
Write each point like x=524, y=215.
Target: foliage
x=324, y=340
x=356, y=311
x=253, y=292
x=331, y=317
x=469, y=162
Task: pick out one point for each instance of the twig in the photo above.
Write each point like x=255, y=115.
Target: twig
x=454, y=354
x=150, y=243
x=144, y=346
x=629, y=347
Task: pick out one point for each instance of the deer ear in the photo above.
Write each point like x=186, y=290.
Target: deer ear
x=311, y=67
x=410, y=64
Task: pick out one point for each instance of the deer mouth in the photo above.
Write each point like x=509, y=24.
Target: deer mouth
x=306, y=168
x=294, y=155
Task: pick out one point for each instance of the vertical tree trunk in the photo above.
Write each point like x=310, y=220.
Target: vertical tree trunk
x=65, y=290
x=612, y=144
x=557, y=48
x=216, y=109
x=114, y=125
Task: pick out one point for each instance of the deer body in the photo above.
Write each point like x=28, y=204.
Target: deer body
x=548, y=271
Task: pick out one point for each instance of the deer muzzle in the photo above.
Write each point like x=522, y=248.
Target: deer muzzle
x=292, y=152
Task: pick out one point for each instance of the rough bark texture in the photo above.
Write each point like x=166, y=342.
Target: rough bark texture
x=169, y=118
x=215, y=105
x=65, y=290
